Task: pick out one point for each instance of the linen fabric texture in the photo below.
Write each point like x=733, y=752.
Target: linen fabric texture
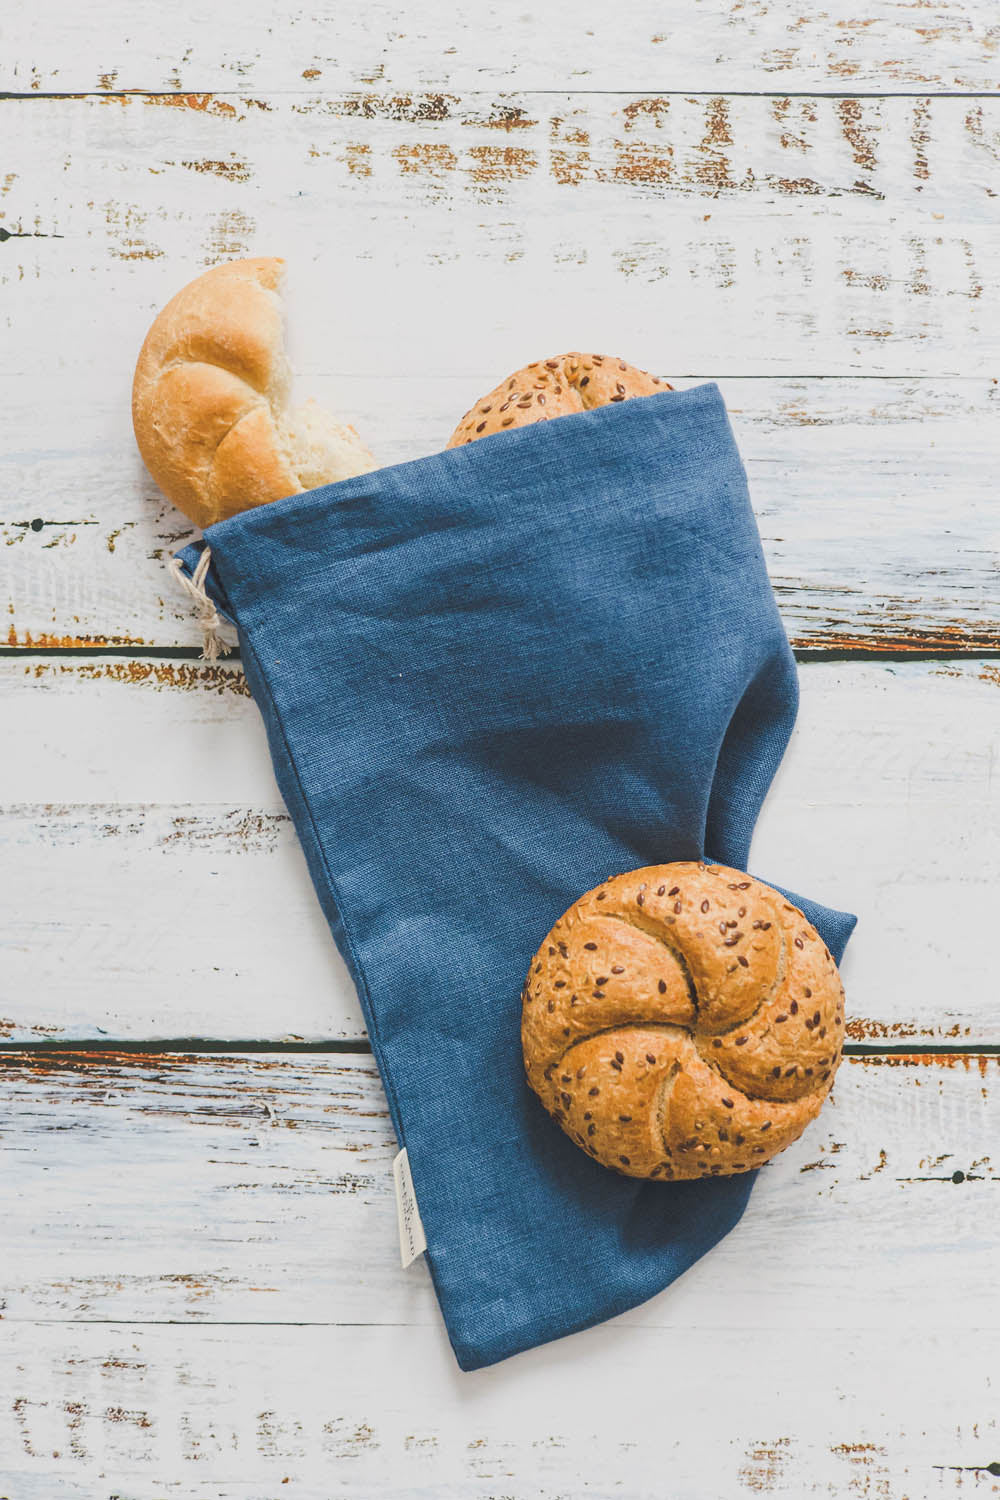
x=490, y=679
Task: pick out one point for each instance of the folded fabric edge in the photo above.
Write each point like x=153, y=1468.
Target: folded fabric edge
x=669, y=406
x=471, y=1356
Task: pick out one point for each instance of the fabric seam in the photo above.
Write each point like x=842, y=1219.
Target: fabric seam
x=335, y=891
x=385, y=1072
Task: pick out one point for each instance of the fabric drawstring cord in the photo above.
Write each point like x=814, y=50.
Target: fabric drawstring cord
x=212, y=644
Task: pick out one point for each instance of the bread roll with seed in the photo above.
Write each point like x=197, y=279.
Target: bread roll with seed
x=210, y=400
x=554, y=388
x=683, y=1020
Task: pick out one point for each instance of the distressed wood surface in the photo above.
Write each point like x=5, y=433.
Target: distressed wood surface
x=708, y=44
x=139, y=1413
x=160, y=891
x=265, y=1199
x=199, y=1283
x=258, y=1189
x=875, y=498
x=858, y=234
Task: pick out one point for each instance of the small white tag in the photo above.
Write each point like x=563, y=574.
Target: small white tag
x=412, y=1240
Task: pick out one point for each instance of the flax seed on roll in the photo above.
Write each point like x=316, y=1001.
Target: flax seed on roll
x=683, y=1020
x=554, y=388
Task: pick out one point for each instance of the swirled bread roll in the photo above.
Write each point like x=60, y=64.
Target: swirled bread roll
x=210, y=400
x=554, y=388
x=683, y=1020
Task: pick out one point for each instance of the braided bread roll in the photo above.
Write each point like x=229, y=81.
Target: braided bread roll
x=682, y=1020
x=210, y=400
x=554, y=388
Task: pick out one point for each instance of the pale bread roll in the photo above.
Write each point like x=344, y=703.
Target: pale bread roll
x=210, y=400
x=683, y=1020
x=554, y=388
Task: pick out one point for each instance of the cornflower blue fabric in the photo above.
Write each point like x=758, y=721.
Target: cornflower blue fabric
x=490, y=679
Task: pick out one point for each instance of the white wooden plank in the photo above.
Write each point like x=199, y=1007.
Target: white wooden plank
x=724, y=233
x=258, y=1189
x=159, y=888
x=875, y=498
x=707, y=44
x=437, y=197
x=859, y=233
x=265, y=1196
x=614, y=1414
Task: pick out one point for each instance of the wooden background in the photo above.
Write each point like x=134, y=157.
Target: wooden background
x=200, y=1283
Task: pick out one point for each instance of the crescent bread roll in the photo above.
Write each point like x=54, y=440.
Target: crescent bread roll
x=683, y=1020
x=554, y=388
x=210, y=400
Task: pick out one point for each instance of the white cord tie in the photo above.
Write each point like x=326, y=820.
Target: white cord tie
x=212, y=643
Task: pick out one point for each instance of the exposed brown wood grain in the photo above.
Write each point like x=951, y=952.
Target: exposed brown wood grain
x=677, y=144
x=722, y=188
x=893, y=44
x=206, y=1279
x=237, y=1153
x=160, y=673
x=865, y=221
x=144, y=786
x=367, y=1412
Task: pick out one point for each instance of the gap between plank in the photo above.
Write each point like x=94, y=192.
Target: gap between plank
x=360, y=1047
x=9, y=96
x=803, y=654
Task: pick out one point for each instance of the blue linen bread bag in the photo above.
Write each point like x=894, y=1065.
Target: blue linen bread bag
x=491, y=678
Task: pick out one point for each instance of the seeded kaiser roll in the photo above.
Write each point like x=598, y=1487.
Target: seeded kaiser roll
x=682, y=1021
x=554, y=387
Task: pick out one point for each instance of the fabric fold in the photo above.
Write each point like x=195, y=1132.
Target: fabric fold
x=491, y=678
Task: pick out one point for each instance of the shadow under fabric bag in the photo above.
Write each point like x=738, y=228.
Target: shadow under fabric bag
x=492, y=678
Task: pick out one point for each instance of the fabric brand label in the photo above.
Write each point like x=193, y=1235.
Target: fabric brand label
x=412, y=1240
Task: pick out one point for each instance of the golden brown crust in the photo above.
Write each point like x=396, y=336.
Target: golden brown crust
x=682, y=1020
x=210, y=392
x=554, y=387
